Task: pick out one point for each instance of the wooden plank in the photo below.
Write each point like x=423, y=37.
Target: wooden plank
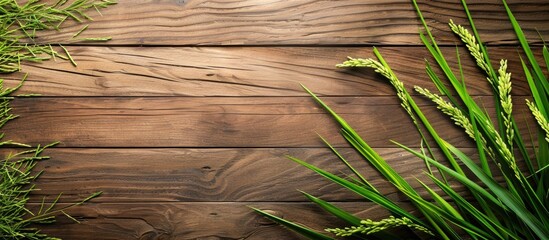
x=220, y=122
x=217, y=175
x=197, y=220
x=256, y=22
x=211, y=122
x=236, y=71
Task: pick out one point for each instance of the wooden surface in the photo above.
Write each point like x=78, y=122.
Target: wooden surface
x=232, y=220
x=299, y=22
x=242, y=71
x=221, y=122
x=184, y=119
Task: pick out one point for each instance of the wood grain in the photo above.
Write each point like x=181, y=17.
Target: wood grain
x=222, y=122
x=198, y=220
x=184, y=118
x=312, y=22
x=244, y=71
x=213, y=122
x=214, y=175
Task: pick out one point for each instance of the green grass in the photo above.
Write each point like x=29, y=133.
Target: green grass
x=20, y=23
x=16, y=182
x=516, y=208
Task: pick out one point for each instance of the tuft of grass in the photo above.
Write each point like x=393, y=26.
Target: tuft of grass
x=16, y=182
x=20, y=22
x=516, y=208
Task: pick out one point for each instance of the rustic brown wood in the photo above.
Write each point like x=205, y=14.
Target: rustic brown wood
x=256, y=22
x=184, y=118
x=198, y=220
x=220, y=122
x=235, y=71
x=211, y=122
x=217, y=175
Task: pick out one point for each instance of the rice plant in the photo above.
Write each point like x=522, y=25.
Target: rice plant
x=515, y=208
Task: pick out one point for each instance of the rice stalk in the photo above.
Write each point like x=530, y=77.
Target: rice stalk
x=514, y=209
x=369, y=226
x=473, y=47
x=387, y=73
x=504, y=88
x=540, y=119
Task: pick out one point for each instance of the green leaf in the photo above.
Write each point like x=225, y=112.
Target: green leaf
x=362, y=178
x=480, y=147
x=491, y=224
x=362, y=191
x=440, y=200
x=512, y=202
x=294, y=227
x=365, y=150
x=536, y=86
x=439, y=84
x=345, y=216
x=439, y=214
x=460, y=177
x=341, y=214
x=525, y=46
x=546, y=56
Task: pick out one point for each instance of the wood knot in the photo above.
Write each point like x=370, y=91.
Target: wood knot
x=102, y=82
x=209, y=238
x=207, y=169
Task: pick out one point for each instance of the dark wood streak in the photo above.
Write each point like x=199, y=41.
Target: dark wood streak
x=222, y=122
x=259, y=71
x=198, y=220
x=298, y=22
x=217, y=174
x=213, y=174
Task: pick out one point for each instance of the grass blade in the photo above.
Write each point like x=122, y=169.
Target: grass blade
x=368, y=153
x=294, y=227
x=546, y=56
x=524, y=43
x=512, y=202
x=489, y=222
x=350, y=218
x=362, y=179
x=364, y=192
x=460, y=177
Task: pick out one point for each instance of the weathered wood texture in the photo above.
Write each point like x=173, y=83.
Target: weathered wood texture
x=212, y=175
x=220, y=122
x=198, y=220
x=238, y=71
x=184, y=118
x=207, y=175
x=259, y=22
